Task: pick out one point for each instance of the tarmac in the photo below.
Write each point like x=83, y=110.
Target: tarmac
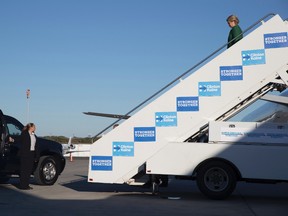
x=72, y=195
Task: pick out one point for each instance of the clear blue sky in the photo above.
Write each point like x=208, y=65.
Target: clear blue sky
x=105, y=55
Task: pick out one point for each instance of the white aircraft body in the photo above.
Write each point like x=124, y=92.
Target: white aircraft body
x=69, y=147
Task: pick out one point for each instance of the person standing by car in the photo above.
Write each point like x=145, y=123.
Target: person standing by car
x=235, y=33
x=27, y=155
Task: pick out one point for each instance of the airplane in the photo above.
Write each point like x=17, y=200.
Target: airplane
x=67, y=148
x=70, y=148
x=107, y=115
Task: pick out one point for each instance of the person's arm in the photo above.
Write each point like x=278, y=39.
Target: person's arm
x=9, y=139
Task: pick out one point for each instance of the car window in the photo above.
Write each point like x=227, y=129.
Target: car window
x=13, y=125
x=13, y=129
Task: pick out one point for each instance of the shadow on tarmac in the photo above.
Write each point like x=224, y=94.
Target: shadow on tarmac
x=73, y=195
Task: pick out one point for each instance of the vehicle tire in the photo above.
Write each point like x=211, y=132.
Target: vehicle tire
x=216, y=180
x=46, y=172
x=4, y=178
x=161, y=180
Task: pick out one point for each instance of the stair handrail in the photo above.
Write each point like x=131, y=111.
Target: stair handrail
x=184, y=74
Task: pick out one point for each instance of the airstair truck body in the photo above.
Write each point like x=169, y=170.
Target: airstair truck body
x=175, y=134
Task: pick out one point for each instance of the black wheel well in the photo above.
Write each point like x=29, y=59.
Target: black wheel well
x=232, y=165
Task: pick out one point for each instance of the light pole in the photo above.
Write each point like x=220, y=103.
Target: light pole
x=28, y=105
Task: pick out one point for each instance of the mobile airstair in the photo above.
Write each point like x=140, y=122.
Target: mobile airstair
x=214, y=90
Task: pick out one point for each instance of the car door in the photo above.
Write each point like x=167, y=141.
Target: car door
x=9, y=151
x=3, y=133
x=14, y=128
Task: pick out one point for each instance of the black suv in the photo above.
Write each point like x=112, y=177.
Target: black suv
x=51, y=161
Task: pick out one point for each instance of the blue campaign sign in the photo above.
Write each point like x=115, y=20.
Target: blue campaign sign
x=231, y=73
x=209, y=88
x=103, y=163
x=187, y=104
x=123, y=149
x=144, y=134
x=166, y=119
x=253, y=57
x=276, y=40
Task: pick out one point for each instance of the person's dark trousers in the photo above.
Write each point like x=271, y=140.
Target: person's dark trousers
x=26, y=167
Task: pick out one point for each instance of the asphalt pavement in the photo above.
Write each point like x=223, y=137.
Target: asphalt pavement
x=72, y=195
